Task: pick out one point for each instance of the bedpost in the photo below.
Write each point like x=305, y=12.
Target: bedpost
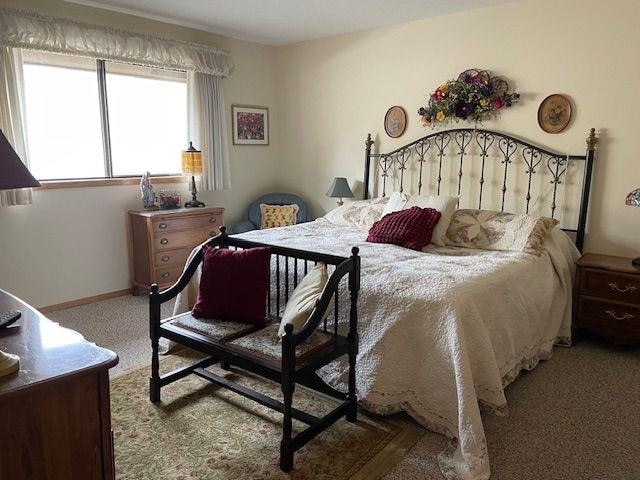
x=592, y=141
x=154, y=325
x=352, y=337
x=367, y=165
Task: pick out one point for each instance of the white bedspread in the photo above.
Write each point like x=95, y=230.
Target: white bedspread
x=443, y=332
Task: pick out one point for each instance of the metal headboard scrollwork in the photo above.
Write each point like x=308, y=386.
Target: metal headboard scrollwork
x=469, y=150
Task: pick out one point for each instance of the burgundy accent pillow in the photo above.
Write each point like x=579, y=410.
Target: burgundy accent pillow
x=233, y=285
x=411, y=228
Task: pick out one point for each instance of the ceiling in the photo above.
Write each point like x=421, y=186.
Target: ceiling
x=281, y=22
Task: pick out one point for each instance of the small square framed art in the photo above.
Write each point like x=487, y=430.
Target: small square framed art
x=250, y=125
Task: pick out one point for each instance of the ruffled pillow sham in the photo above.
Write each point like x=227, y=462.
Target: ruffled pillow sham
x=491, y=230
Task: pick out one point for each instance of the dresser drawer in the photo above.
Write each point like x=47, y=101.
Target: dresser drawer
x=171, y=257
x=212, y=220
x=611, y=285
x=168, y=276
x=182, y=239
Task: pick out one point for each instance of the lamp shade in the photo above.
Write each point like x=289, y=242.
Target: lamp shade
x=13, y=173
x=633, y=199
x=340, y=188
x=191, y=160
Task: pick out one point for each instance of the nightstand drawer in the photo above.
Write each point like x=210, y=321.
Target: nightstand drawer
x=182, y=239
x=171, y=257
x=610, y=285
x=212, y=220
x=593, y=311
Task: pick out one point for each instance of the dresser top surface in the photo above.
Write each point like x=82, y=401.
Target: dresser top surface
x=608, y=262
x=47, y=351
x=176, y=212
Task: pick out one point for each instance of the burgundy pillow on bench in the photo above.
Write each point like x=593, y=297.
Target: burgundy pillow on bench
x=411, y=228
x=233, y=285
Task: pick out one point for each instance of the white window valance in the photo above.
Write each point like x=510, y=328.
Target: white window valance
x=32, y=31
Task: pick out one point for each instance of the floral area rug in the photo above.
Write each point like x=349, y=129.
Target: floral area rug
x=201, y=431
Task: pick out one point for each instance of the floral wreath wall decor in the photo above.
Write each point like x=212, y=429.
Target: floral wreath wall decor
x=475, y=95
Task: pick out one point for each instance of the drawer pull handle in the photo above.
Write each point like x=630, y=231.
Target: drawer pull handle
x=165, y=274
x=624, y=316
x=625, y=289
x=164, y=241
x=212, y=220
x=162, y=226
x=165, y=258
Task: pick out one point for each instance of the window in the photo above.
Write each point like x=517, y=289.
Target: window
x=99, y=119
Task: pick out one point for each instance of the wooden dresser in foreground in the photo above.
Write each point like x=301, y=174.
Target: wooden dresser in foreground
x=161, y=241
x=607, y=297
x=55, y=420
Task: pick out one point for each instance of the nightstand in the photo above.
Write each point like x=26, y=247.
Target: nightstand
x=607, y=298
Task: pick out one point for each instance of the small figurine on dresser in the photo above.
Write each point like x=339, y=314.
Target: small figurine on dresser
x=148, y=195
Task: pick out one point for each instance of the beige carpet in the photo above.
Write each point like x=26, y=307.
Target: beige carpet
x=575, y=417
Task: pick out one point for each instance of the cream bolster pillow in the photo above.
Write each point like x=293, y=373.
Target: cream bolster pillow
x=445, y=205
x=304, y=297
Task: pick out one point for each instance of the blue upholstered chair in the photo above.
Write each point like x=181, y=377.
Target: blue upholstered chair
x=254, y=216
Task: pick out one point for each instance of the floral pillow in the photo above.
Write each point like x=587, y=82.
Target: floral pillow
x=358, y=214
x=277, y=215
x=489, y=230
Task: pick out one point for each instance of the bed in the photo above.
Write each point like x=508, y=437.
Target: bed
x=444, y=331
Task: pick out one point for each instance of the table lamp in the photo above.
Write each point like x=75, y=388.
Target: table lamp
x=340, y=189
x=13, y=174
x=633, y=200
x=192, y=164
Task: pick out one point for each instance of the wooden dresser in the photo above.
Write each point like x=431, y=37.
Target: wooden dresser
x=161, y=241
x=607, y=297
x=55, y=420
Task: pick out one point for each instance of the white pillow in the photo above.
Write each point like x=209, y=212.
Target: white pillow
x=358, y=214
x=303, y=299
x=396, y=202
x=442, y=203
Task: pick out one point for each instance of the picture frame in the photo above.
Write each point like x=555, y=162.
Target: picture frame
x=250, y=125
x=554, y=113
x=395, y=121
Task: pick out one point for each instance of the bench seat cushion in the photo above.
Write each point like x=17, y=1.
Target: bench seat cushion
x=217, y=329
x=267, y=345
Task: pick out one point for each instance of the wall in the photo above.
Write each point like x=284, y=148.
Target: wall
x=326, y=95
x=334, y=91
x=71, y=243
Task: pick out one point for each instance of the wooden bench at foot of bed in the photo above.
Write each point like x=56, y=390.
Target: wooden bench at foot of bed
x=292, y=360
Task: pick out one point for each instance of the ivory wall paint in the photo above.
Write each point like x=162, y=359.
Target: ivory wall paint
x=334, y=91
x=72, y=243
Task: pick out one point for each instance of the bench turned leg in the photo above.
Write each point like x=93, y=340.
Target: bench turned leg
x=352, y=411
x=154, y=381
x=154, y=391
x=286, y=452
x=286, y=457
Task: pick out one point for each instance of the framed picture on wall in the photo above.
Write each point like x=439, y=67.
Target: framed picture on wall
x=250, y=125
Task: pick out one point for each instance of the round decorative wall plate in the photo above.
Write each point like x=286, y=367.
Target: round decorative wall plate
x=554, y=113
x=395, y=121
